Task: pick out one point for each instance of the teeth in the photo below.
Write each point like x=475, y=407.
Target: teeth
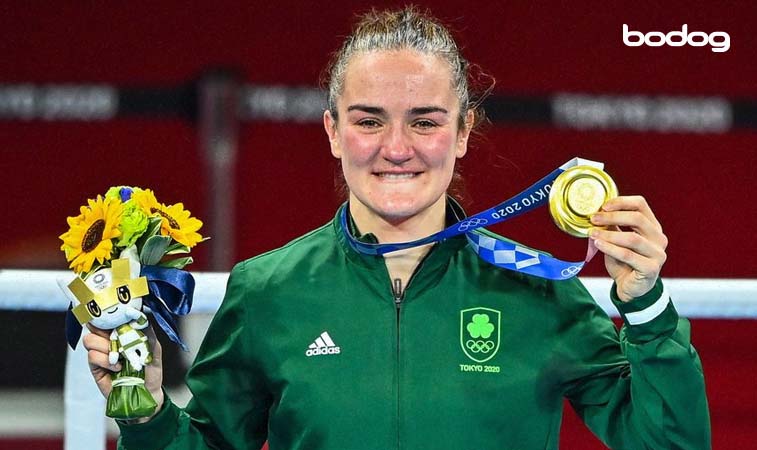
x=397, y=176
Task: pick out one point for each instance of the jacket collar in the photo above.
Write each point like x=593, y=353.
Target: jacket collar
x=438, y=256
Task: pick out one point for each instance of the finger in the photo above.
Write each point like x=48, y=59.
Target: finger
x=630, y=240
x=614, y=220
x=96, y=342
x=632, y=203
x=631, y=219
x=99, y=360
x=157, y=350
x=150, y=333
x=98, y=331
x=646, y=267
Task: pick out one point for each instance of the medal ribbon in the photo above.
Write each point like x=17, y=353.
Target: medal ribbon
x=501, y=253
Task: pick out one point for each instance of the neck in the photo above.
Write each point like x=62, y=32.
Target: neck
x=399, y=229
x=401, y=264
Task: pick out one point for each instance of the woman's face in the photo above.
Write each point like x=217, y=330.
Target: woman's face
x=397, y=135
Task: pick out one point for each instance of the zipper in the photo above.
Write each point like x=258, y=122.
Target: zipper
x=398, y=293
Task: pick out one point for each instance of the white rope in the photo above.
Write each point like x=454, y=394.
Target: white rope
x=37, y=290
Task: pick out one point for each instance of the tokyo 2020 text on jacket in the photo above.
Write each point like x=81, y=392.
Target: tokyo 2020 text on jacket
x=314, y=349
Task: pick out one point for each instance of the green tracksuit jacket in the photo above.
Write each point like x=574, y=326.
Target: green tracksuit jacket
x=313, y=349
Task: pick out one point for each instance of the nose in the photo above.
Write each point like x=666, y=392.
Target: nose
x=397, y=146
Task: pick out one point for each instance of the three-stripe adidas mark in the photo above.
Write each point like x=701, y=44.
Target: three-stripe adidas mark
x=323, y=345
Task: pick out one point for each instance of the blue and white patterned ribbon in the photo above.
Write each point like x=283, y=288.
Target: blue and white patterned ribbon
x=501, y=253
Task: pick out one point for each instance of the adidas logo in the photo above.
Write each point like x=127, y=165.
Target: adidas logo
x=323, y=345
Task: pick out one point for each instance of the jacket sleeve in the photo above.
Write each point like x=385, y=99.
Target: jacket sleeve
x=643, y=389
x=229, y=408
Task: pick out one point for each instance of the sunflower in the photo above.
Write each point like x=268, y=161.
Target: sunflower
x=175, y=220
x=90, y=233
x=178, y=224
x=146, y=200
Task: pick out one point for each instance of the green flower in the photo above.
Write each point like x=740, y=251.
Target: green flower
x=133, y=223
x=114, y=192
x=480, y=326
x=122, y=193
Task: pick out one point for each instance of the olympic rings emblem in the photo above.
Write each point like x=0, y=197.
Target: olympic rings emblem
x=471, y=223
x=479, y=346
x=570, y=271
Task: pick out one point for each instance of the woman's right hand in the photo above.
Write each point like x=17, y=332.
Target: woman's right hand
x=97, y=342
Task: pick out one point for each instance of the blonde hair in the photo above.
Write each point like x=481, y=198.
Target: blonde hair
x=406, y=28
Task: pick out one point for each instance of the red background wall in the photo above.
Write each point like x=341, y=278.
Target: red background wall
x=700, y=185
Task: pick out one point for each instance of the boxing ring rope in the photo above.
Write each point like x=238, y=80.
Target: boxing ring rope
x=700, y=298
x=217, y=102
x=37, y=290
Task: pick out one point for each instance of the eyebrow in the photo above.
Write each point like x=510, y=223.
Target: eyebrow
x=427, y=110
x=367, y=109
x=417, y=111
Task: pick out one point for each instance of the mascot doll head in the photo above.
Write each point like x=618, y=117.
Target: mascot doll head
x=104, y=297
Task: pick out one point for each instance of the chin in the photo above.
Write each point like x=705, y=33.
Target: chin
x=396, y=203
x=399, y=208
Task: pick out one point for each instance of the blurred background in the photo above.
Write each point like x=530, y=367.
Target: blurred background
x=216, y=104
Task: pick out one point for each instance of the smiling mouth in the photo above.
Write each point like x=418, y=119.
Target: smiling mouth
x=111, y=312
x=397, y=176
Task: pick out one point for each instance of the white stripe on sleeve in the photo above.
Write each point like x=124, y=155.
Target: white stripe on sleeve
x=649, y=313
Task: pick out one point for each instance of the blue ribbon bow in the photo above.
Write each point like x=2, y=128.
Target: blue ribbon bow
x=171, y=292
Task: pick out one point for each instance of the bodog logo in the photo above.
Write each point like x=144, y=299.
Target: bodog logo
x=720, y=41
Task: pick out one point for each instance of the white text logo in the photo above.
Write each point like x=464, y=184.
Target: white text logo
x=720, y=41
x=323, y=345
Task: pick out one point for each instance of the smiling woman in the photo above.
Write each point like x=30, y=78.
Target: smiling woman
x=329, y=343
x=397, y=141
x=399, y=116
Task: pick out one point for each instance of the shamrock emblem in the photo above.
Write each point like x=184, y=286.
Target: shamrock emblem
x=480, y=326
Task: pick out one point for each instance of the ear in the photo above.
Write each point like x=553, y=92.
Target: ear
x=329, y=124
x=464, y=134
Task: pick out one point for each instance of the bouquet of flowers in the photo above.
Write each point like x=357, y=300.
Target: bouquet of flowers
x=129, y=251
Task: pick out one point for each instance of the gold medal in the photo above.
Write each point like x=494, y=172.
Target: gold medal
x=576, y=195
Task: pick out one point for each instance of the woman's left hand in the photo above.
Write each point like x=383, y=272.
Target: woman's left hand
x=633, y=258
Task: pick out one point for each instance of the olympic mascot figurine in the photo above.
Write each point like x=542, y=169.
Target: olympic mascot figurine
x=111, y=299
